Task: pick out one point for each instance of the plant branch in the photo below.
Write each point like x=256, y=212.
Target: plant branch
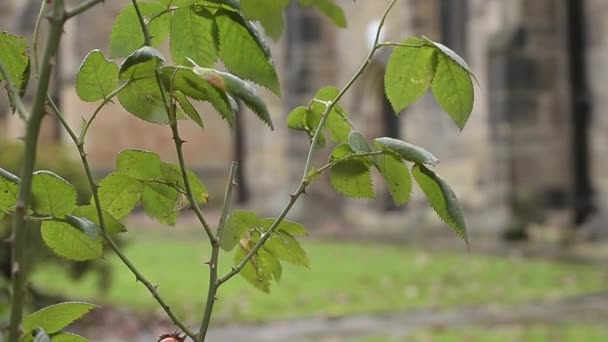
x=125, y=260
x=176, y=137
x=19, y=234
x=305, y=178
x=227, y=199
x=35, y=38
x=107, y=100
x=81, y=8
x=215, y=252
x=314, y=174
x=348, y=85
x=265, y=236
x=142, y=23
x=15, y=94
x=389, y=44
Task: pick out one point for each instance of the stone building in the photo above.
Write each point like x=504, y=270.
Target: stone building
x=535, y=148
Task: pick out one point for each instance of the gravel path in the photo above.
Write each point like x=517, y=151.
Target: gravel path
x=582, y=309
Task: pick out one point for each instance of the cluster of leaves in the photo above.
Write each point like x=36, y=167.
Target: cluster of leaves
x=201, y=32
x=414, y=66
x=14, y=53
x=46, y=325
x=73, y=231
x=244, y=229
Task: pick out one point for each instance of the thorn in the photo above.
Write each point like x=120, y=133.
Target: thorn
x=304, y=192
x=234, y=183
x=215, y=298
x=208, y=263
x=292, y=196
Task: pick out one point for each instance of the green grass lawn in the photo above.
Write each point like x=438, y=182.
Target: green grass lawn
x=537, y=333
x=344, y=278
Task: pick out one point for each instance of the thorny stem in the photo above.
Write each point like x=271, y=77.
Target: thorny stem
x=81, y=8
x=142, y=23
x=138, y=275
x=390, y=44
x=108, y=99
x=15, y=95
x=348, y=85
x=215, y=253
x=19, y=234
x=305, y=180
x=35, y=37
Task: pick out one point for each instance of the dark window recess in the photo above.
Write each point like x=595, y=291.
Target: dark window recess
x=310, y=28
x=454, y=15
x=390, y=129
x=242, y=190
x=580, y=112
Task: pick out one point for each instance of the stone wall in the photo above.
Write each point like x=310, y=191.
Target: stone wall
x=512, y=163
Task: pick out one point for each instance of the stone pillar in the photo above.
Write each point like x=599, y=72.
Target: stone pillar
x=530, y=116
x=310, y=64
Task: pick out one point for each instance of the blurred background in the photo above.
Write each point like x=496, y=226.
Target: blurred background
x=529, y=170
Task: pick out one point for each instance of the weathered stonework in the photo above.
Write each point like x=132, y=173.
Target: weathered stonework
x=512, y=165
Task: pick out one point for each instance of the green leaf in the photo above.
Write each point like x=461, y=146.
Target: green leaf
x=171, y=172
x=69, y=242
x=126, y=34
x=119, y=194
x=450, y=54
x=9, y=189
x=142, y=62
x=15, y=58
x=409, y=73
x=297, y=118
x=290, y=227
x=192, y=37
x=357, y=143
x=68, y=337
x=329, y=8
x=159, y=202
x=244, y=53
x=113, y=226
x=188, y=108
x=139, y=164
x=397, y=177
x=39, y=335
x=453, y=90
x=56, y=317
x=284, y=246
x=97, y=77
x=336, y=123
x=90, y=228
x=260, y=270
x=406, y=151
x=191, y=85
x=143, y=99
x=268, y=12
x=442, y=198
x=352, y=178
x=229, y=83
x=52, y=195
x=236, y=226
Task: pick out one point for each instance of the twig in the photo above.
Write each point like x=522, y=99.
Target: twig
x=15, y=94
x=108, y=99
x=35, y=38
x=305, y=180
x=215, y=251
x=81, y=8
x=138, y=275
x=348, y=85
x=19, y=234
